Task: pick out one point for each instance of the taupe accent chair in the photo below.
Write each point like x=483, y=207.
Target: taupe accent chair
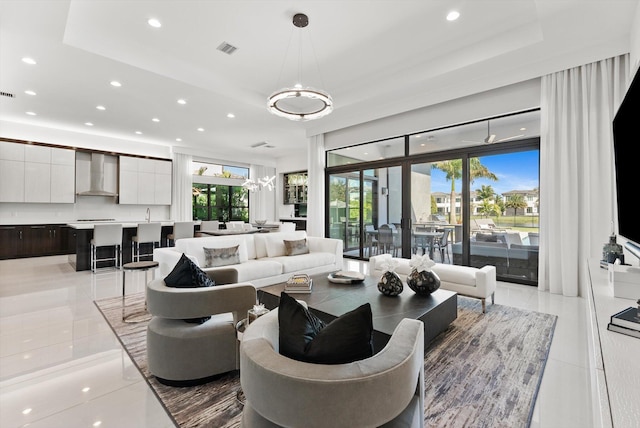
x=385, y=390
x=181, y=353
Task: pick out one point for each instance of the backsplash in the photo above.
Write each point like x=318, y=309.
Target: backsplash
x=86, y=207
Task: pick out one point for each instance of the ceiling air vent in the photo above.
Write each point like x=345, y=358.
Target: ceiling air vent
x=7, y=94
x=260, y=144
x=227, y=48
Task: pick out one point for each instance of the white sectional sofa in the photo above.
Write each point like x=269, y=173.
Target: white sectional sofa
x=464, y=280
x=263, y=260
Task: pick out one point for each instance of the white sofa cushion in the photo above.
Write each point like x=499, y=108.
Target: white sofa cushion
x=195, y=246
x=304, y=261
x=274, y=242
x=256, y=269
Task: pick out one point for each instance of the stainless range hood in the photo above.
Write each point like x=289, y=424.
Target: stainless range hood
x=96, y=177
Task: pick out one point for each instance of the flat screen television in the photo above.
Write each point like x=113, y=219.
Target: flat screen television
x=626, y=142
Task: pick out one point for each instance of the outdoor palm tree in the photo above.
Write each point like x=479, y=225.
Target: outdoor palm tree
x=515, y=202
x=453, y=170
x=485, y=192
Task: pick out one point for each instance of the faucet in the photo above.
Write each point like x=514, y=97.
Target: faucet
x=148, y=215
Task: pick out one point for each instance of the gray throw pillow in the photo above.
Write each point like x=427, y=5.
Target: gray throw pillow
x=293, y=248
x=222, y=256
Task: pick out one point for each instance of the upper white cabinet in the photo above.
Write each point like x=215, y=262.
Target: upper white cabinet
x=33, y=173
x=144, y=181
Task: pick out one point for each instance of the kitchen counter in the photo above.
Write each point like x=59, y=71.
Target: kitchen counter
x=81, y=259
x=125, y=223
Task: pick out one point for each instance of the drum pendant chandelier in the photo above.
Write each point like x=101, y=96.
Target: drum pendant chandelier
x=300, y=103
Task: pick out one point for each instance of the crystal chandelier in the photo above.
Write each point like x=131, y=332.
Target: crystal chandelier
x=262, y=183
x=299, y=102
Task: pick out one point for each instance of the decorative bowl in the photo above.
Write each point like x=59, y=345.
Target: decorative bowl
x=261, y=222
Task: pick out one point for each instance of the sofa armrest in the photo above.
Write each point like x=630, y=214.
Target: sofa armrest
x=167, y=259
x=325, y=245
x=223, y=276
x=486, y=280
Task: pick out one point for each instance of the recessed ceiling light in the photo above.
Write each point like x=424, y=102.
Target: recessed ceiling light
x=88, y=123
x=201, y=129
x=155, y=119
x=138, y=132
x=30, y=92
x=86, y=389
x=422, y=144
x=181, y=101
x=231, y=115
x=30, y=113
x=453, y=15
x=101, y=108
x=523, y=129
x=116, y=83
x=29, y=61
x=26, y=411
x=154, y=23
x=178, y=139
x=97, y=423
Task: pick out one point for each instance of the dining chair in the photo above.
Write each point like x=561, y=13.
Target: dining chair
x=385, y=239
x=441, y=243
x=181, y=229
x=370, y=238
x=106, y=235
x=146, y=233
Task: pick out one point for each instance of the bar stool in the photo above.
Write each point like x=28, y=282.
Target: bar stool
x=106, y=235
x=147, y=233
x=181, y=229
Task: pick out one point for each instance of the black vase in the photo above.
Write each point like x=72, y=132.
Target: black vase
x=423, y=282
x=390, y=284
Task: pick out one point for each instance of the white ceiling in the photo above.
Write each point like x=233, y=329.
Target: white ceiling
x=376, y=58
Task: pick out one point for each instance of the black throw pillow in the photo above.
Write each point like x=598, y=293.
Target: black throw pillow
x=305, y=337
x=186, y=274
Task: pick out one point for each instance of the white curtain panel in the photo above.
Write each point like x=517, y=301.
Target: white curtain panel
x=577, y=179
x=315, y=186
x=182, y=185
x=262, y=202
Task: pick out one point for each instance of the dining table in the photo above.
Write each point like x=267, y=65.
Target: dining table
x=226, y=232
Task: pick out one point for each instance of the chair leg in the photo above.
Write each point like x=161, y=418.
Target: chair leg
x=484, y=306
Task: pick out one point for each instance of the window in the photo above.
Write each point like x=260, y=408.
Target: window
x=219, y=202
x=218, y=193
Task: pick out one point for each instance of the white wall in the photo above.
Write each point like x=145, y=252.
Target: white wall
x=512, y=98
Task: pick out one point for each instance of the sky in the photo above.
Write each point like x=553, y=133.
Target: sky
x=515, y=171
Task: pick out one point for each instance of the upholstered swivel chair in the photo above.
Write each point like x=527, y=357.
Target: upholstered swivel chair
x=385, y=390
x=181, y=229
x=181, y=353
x=147, y=233
x=106, y=235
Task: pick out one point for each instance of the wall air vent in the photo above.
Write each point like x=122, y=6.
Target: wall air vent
x=227, y=48
x=7, y=94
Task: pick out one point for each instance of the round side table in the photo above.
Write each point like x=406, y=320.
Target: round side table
x=141, y=266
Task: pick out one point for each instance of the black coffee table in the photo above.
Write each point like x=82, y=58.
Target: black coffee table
x=329, y=300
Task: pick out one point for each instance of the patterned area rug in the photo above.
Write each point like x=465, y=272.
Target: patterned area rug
x=483, y=371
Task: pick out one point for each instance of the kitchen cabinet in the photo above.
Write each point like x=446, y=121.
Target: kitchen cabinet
x=34, y=173
x=145, y=181
x=295, y=188
x=35, y=240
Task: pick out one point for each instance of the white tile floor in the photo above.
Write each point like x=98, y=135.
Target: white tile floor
x=61, y=366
